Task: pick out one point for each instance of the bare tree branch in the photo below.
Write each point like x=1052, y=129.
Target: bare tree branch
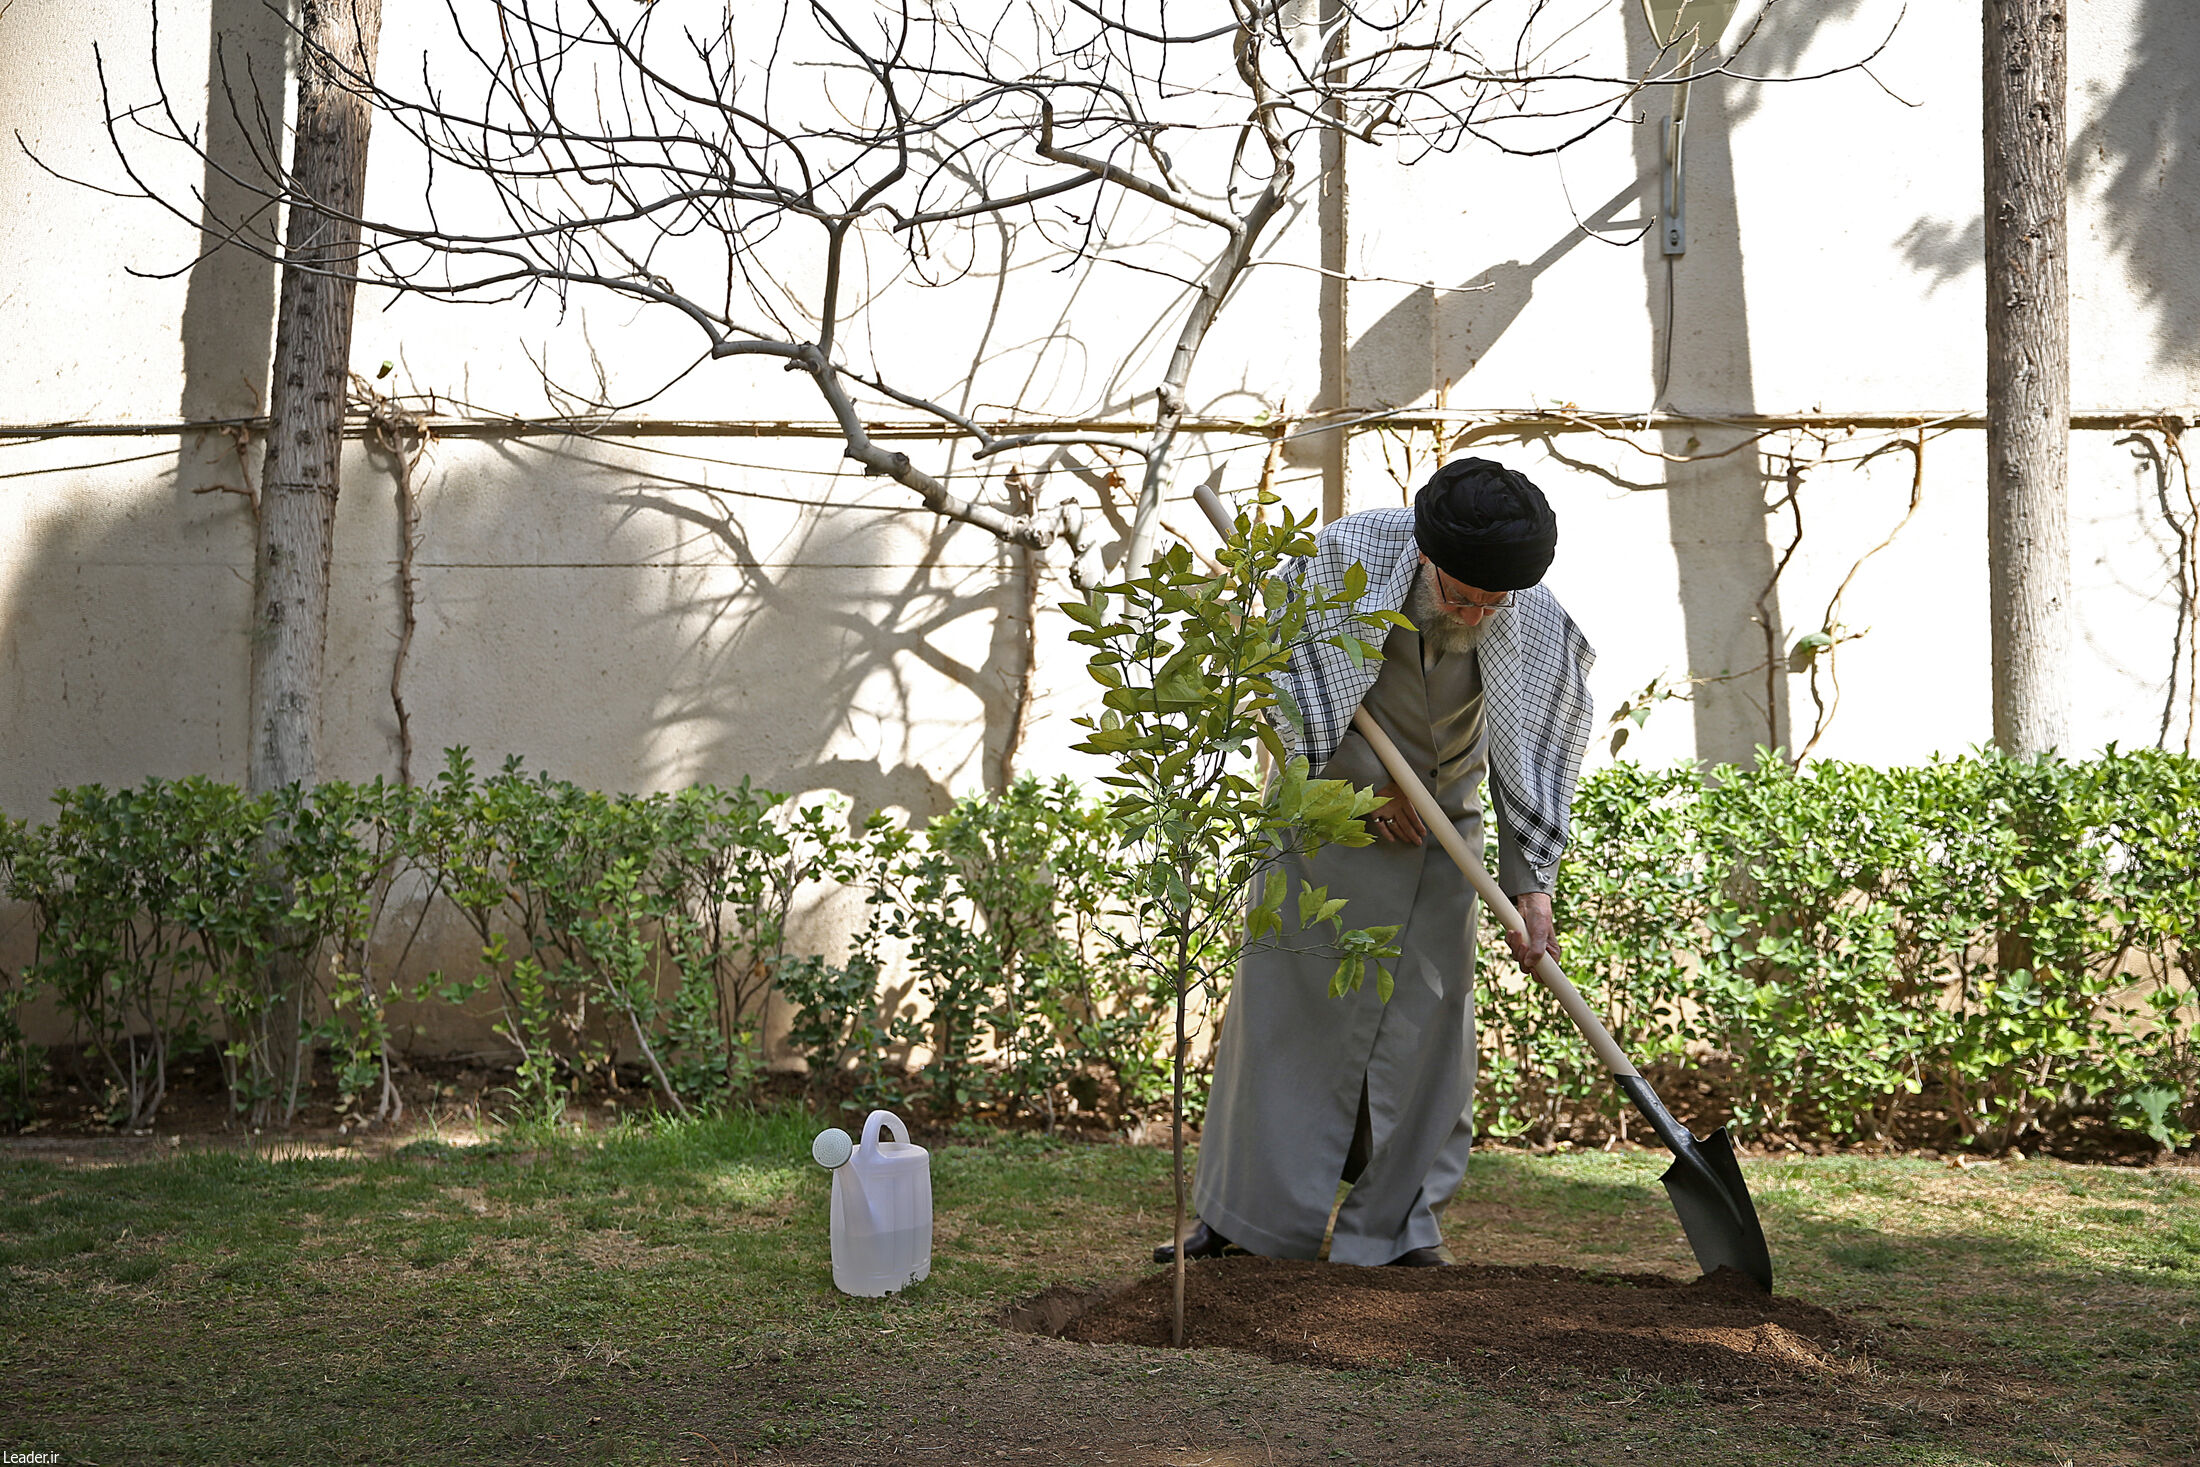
x=781, y=177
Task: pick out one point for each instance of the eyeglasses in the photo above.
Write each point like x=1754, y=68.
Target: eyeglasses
x=1464, y=603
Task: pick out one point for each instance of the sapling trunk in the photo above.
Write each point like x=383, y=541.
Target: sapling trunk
x=392, y=1108
x=143, y=1106
x=1176, y=1120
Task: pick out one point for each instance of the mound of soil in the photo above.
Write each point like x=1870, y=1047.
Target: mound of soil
x=1717, y=1331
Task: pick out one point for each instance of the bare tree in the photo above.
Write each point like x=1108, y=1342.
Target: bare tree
x=2027, y=371
x=775, y=173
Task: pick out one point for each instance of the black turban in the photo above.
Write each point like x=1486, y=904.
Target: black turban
x=1485, y=525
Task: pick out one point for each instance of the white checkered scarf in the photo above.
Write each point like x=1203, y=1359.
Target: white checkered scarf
x=1535, y=668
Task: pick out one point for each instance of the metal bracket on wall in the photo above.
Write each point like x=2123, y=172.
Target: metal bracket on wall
x=1692, y=27
x=1672, y=206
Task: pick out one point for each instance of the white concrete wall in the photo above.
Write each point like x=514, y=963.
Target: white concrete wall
x=643, y=613
x=1833, y=268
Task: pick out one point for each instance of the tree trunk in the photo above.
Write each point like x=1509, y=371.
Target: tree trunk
x=2027, y=372
x=312, y=367
x=297, y=509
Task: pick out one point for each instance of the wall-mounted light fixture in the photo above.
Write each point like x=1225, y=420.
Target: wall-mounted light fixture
x=1687, y=28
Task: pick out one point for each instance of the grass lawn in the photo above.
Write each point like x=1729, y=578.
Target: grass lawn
x=664, y=1296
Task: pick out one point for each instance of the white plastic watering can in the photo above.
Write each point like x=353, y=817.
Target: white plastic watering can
x=882, y=1206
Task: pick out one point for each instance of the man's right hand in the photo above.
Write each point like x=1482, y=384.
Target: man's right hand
x=1396, y=819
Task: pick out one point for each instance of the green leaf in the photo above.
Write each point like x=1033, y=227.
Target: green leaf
x=1267, y=913
x=1089, y=612
x=1182, y=684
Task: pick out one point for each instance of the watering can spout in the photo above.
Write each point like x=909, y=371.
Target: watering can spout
x=832, y=1148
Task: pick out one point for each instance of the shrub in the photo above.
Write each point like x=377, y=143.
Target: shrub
x=108, y=883
x=844, y=1022
x=370, y=830
x=1836, y=940
x=1009, y=907
x=1839, y=948
x=180, y=909
x=20, y=1060
x=585, y=904
x=1631, y=885
x=737, y=859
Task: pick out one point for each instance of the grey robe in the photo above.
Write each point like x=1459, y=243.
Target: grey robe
x=1292, y=1061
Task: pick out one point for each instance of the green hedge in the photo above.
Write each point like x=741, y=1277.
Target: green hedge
x=1989, y=946
x=609, y=928
x=1975, y=949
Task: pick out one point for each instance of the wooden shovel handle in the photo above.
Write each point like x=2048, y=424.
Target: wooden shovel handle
x=1546, y=970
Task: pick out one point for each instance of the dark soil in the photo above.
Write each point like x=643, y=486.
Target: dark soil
x=1486, y=1321
x=69, y=1098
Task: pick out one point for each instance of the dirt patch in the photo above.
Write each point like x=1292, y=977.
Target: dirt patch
x=1489, y=1322
x=1054, y=1309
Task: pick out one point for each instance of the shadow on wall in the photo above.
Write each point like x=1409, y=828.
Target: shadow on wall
x=878, y=646
x=229, y=300
x=1943, y=250
x=127, y=608
x=617, y=626
x=648, y=630
x=122, y=621
x=1700, y=359
x=794, y=652
x=2144, y=150
x=2141, y=152
x=122, y=629
x=1432, y=338
x=622, y=617
x=1702, y=362
x=631, y=628
x=123, y=606
x=110, y=674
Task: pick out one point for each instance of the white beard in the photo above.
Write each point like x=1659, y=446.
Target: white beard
x=1439, y=629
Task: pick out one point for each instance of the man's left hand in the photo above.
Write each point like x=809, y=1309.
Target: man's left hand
x=1542, y=934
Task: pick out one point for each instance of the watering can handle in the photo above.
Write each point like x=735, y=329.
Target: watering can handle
x=1547, y=971
x=872, y=1125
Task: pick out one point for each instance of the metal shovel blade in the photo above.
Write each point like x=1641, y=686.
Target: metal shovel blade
x=1708, y=1192
x=1706, y=1187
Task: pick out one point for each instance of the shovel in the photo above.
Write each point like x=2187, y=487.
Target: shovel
x=1705, y=1181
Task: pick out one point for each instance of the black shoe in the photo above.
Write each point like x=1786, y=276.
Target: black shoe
x=1201, y=1242
x=1418, y=1258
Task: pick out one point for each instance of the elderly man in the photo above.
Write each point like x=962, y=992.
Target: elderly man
x=1310, y=1090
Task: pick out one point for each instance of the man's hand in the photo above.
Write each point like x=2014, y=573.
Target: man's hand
x=1395, y=818
x=1541, y=936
